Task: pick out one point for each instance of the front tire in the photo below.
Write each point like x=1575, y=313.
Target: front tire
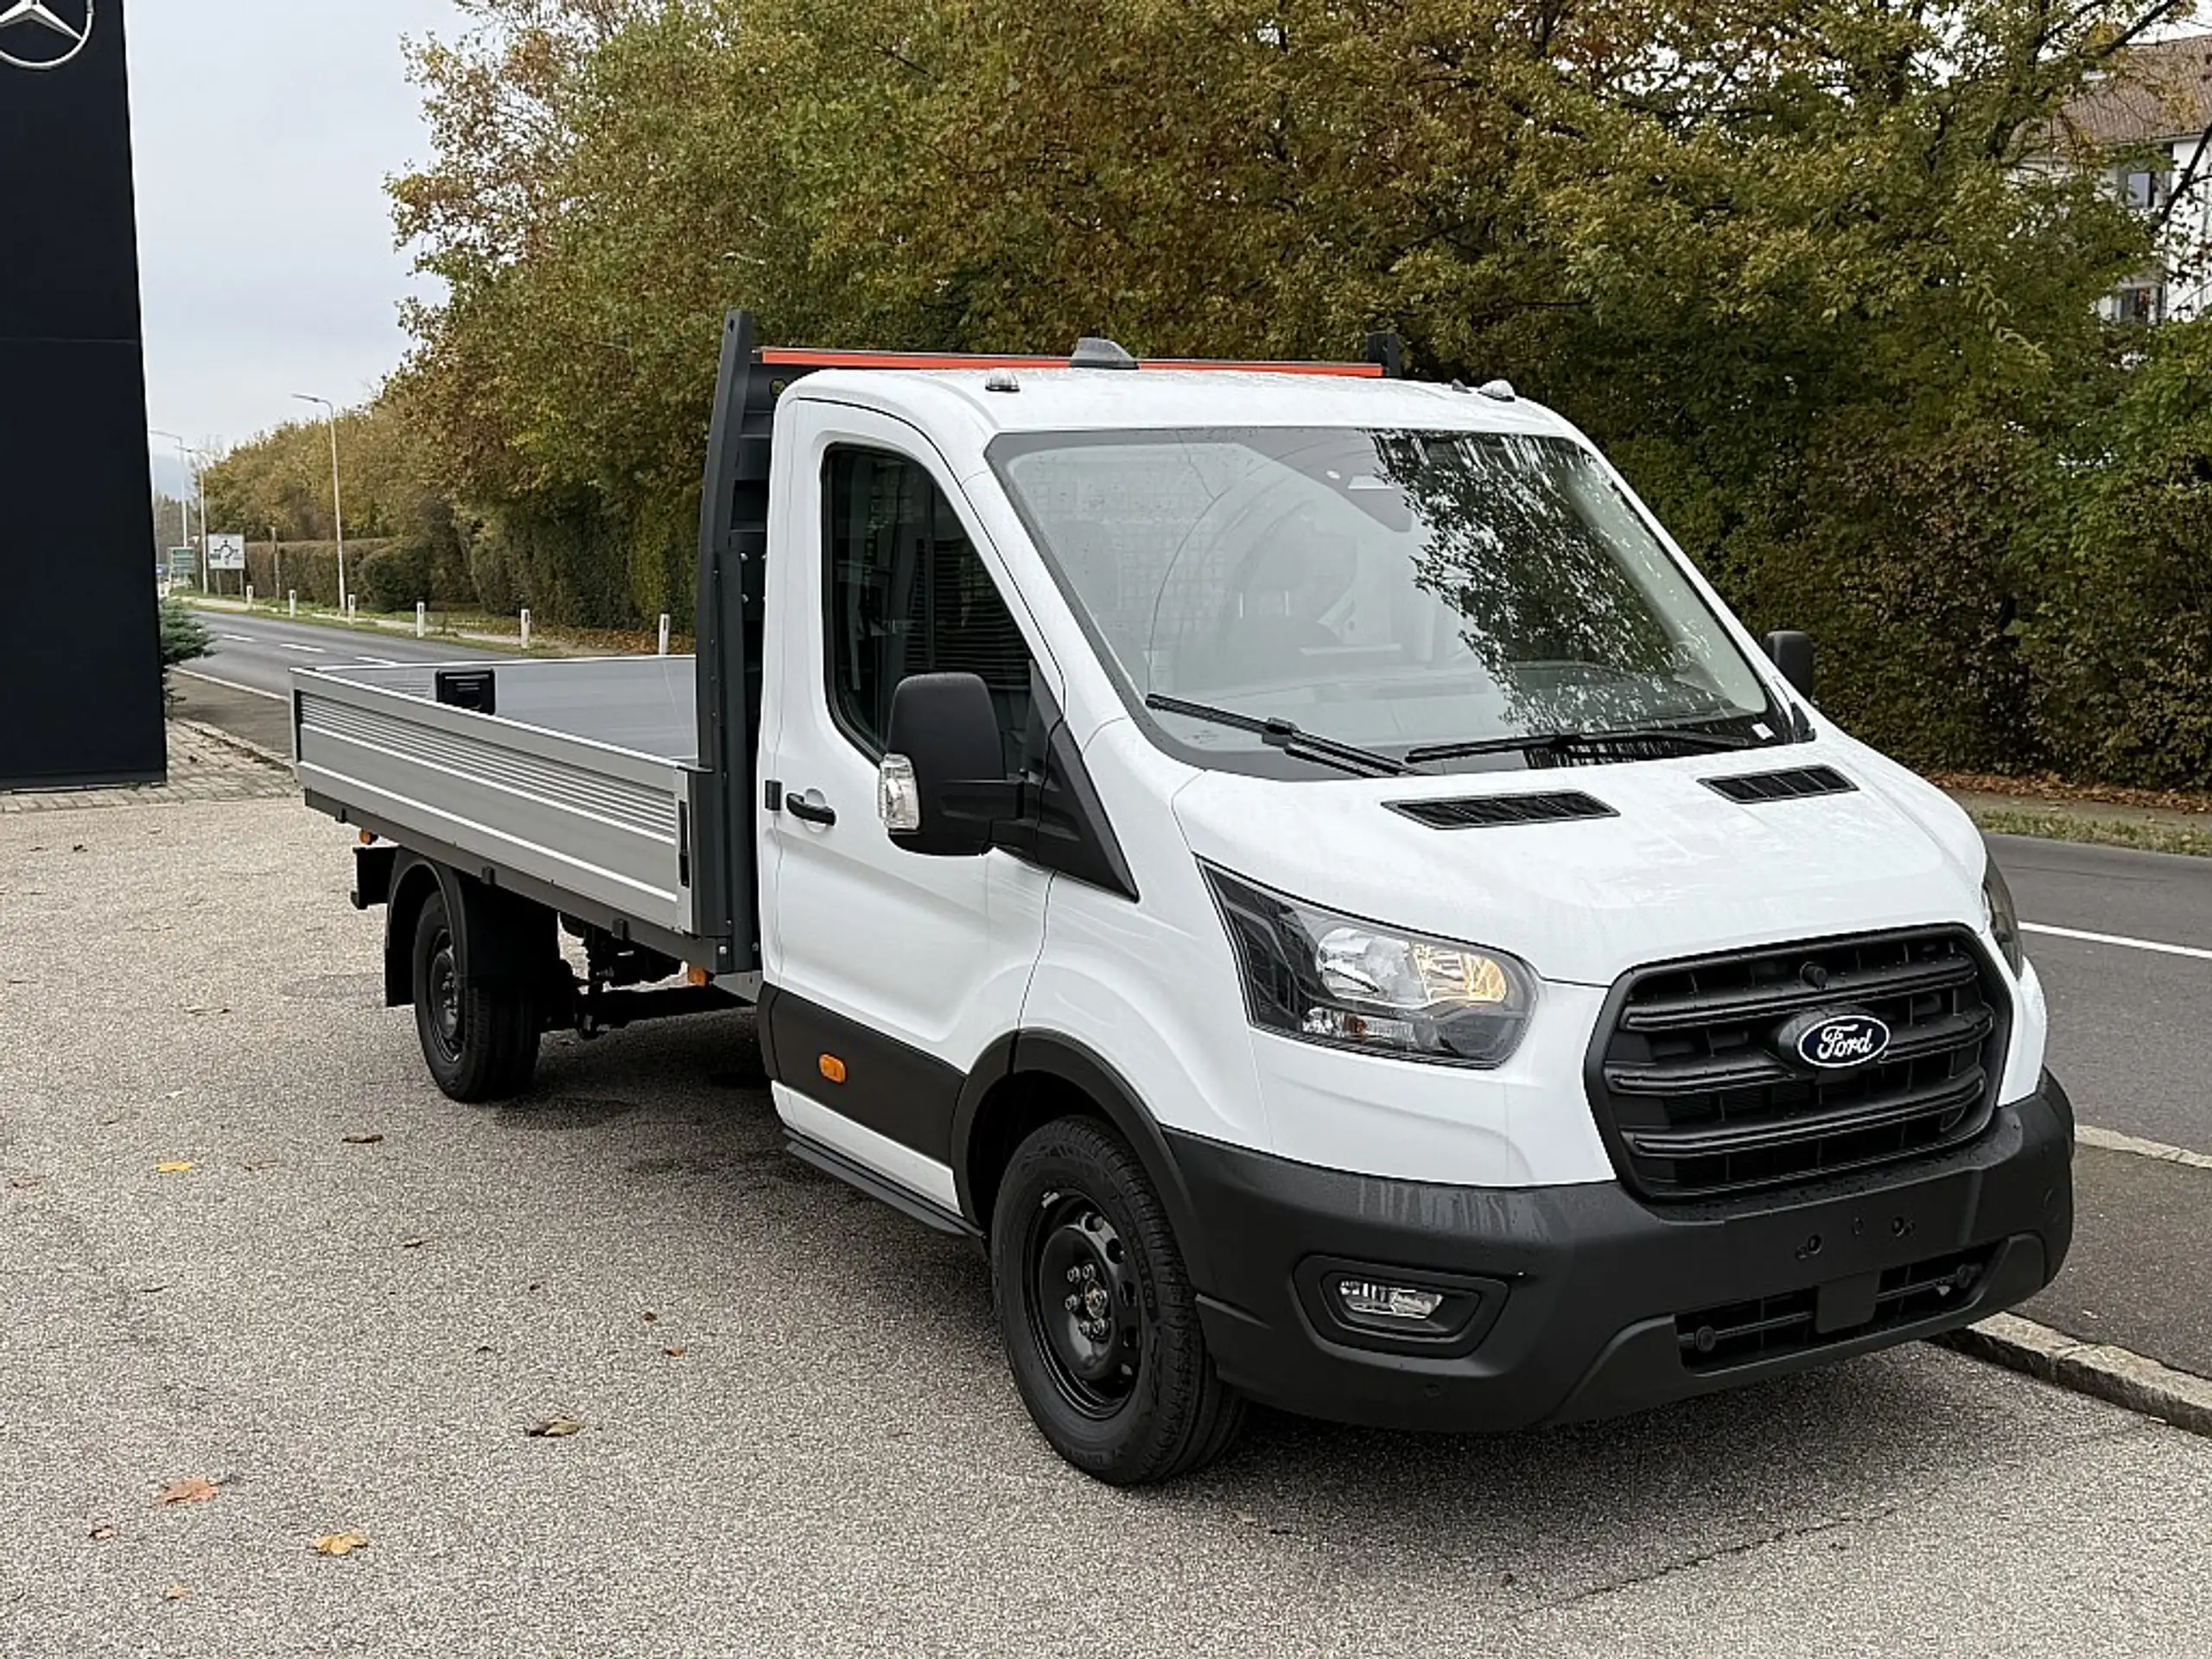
x=1098, y=1313
x=479, y=1039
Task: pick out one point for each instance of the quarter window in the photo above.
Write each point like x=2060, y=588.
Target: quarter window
x=909, y=596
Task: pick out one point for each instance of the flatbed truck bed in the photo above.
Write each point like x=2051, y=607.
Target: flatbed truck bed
x=572, y=781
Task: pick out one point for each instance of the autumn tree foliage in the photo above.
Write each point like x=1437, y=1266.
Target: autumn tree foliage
x=1820, y=275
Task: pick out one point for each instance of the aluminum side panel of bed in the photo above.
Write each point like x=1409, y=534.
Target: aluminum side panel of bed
x=583, y=779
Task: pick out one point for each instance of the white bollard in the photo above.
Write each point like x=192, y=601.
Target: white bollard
x=525, y=628
x=664, y=633
x=353, y=608
x=249, y=596
x=292, y=603
x=422, y=618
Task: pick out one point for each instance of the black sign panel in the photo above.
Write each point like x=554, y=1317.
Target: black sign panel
x=80, y=695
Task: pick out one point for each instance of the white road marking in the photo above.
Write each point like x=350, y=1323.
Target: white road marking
x=382, y=662
x=311, y=651
x=2112, y=1140
x=243, y=639
x=234, y=685
x=2121, y=939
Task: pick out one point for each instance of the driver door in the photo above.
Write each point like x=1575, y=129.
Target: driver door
x=889, y=972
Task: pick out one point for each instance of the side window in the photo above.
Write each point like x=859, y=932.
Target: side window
x=908, y=596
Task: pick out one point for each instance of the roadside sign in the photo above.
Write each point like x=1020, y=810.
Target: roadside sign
x=184, y=564
x=226, y=552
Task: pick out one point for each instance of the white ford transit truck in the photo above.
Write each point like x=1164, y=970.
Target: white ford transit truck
x=1292, y=861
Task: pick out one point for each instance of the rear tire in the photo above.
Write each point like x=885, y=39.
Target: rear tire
x=1098, y=1313
x=479, y=1040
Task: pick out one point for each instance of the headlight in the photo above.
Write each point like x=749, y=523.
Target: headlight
x=1327, y=978
x=2004, y=919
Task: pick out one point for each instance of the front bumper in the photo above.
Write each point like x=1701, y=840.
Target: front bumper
x=1592, y=1304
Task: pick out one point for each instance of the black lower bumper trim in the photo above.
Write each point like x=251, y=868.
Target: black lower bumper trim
x=1611, y=1305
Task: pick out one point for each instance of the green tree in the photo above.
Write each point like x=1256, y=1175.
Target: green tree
x=1820, y=275
x=184, y=637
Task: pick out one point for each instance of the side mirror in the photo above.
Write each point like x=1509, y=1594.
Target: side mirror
x=943, y=784
x=1792, y=652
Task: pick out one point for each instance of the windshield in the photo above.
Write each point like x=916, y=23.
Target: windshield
x=1399, y=590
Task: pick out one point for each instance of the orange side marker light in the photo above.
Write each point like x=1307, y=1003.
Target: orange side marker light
x=832, y=1068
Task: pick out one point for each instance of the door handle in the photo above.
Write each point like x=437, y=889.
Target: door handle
x=812, y=812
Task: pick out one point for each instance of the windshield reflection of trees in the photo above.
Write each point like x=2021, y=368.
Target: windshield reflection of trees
x=1546, y=605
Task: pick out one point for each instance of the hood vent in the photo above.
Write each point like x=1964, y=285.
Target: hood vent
x=1752, y=787
x=1482, y=810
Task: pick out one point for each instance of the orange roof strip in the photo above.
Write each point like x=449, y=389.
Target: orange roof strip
x=1347, y=370
x=808, y=357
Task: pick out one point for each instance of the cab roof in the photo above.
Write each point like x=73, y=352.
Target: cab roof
x=1060, y=399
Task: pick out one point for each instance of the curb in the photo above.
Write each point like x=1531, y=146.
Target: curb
x=2113, y=1375
x=232, y=741
x=2088, y=1134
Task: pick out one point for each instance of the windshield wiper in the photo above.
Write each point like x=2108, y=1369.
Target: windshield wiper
x=1292, y=739
x=1556, y=742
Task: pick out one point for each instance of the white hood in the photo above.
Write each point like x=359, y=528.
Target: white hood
x=1681, y=871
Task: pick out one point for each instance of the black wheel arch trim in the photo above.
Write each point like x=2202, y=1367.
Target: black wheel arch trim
x=1065, y=1058
x=496, y=936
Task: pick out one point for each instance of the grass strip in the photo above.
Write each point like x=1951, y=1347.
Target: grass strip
x=2143, y=835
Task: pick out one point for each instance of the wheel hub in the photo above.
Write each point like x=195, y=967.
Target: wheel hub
x=445, y=997
x=1084, y=1303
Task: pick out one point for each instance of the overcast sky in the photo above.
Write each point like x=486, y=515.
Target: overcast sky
x=264, y=130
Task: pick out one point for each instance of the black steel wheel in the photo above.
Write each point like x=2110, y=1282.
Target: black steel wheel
x=1087, y=1317
x=441, y=993
x=1098, y=1313
x=479, y=1040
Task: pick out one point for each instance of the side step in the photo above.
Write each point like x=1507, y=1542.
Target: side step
x=830, y=1162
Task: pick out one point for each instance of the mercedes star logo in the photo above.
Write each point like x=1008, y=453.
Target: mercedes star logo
x=43, y=34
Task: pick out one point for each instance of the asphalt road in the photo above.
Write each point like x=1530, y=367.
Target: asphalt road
x=2131, y=1027
x=258, y=653
x=354, y=1335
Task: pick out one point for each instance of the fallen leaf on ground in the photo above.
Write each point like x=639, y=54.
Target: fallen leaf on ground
x=179, y=1167
x=554, y=1429
x=340, y=1544
x=260, y=1164
x=363, y=1140
x=25, y=1183
x=176, y=1592
x=650, y=1316
x=193, y=1489
x=105, y=1529
x=673, y=1353
x=412, y=1243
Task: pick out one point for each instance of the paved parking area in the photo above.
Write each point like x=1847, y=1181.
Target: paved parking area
x=355, y=1335
x=205, y=764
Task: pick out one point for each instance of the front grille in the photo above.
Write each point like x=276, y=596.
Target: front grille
x=1480, y=811
x=1694, y=1095
x=1751, y=787
x=1715, y=1338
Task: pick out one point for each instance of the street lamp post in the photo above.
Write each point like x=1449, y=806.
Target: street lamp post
x=200, y=485
x=337, y=508
x=184, y=501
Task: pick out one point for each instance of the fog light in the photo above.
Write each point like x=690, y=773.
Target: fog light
x=1364, y=1298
